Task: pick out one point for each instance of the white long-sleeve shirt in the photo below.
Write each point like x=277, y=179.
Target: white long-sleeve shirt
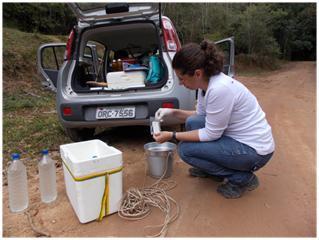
x=230, y=109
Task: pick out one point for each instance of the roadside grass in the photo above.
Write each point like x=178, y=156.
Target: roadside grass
x=31, y=135
x=251, y=66
x=21, y=100
x=30, y=122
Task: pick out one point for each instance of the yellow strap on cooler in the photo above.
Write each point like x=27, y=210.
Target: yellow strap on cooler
x=105, y=208
x=105, y=203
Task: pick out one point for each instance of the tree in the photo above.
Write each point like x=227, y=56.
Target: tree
x=50, y=18
x=254, y=32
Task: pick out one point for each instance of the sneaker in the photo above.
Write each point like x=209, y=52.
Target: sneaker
x=195, y=172
x=229, y=190
x=252, y=184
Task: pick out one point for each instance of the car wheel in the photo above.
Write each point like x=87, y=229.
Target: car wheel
x=80, y=134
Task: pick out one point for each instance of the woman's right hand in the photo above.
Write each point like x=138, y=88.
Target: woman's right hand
x=163, y=136
x=161, y=112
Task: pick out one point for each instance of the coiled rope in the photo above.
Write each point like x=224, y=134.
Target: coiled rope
x=137, y=203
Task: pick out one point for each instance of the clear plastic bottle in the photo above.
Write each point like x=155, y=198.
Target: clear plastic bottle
x=114, y=65
x=119, y=65
x=47, y=176
x=17, y=185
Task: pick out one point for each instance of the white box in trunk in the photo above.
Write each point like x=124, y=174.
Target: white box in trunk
x=121, y=79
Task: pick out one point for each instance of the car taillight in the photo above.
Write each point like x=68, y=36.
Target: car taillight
x=168, y=105
x=69, y=45
x=171, y=40
x=67, y=111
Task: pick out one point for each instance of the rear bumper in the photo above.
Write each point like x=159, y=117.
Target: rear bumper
x=84, y=114
x=115, y=123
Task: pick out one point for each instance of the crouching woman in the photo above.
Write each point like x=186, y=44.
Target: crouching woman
x=228, y=137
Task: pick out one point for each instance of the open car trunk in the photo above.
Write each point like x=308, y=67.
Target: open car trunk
x=119, y=57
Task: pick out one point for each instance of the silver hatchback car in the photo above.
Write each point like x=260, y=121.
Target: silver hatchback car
x=115, y=69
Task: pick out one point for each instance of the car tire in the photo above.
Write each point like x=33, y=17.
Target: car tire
x=80, y=134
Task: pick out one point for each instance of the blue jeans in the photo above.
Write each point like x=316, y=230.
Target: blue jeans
x=224, y=157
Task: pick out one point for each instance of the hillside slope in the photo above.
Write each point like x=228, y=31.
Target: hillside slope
x=19, y=57
x=30, y=121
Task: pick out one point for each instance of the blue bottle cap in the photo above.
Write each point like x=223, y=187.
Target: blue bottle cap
x=45, y=151
x=15, y=156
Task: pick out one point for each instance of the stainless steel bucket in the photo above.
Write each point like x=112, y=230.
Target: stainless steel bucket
x=160, y=158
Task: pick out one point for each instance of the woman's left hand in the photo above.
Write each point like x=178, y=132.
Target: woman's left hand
x=163, y=136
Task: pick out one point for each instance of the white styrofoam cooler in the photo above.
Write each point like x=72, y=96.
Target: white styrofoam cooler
x=121, y=79
x=86, y=166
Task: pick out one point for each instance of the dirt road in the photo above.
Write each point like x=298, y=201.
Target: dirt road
x=283, y=206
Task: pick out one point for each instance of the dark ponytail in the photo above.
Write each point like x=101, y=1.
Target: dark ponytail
x=194, y=56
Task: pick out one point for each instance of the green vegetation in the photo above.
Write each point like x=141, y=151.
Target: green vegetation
x=29, y=134
x=263, y=31
x=30, y=122
x=275, y=30
x=49, y=18
x=21, y=100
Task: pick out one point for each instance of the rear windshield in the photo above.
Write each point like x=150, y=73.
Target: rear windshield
x=134, y=7
x=90, y=6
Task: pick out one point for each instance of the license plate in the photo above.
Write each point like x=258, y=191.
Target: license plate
x=115, y=112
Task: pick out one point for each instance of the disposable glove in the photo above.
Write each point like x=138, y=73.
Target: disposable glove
x=161, y=112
